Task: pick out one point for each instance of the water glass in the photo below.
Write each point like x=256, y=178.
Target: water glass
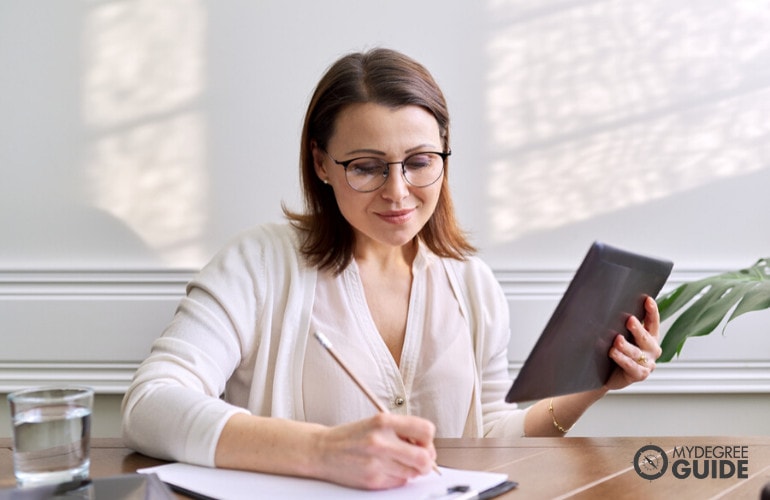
x=51, y=434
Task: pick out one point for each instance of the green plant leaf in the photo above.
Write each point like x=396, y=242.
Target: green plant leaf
x=705, y=303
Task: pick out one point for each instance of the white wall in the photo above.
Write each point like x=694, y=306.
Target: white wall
x=137, y=136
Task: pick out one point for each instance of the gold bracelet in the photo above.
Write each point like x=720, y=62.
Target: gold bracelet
x=553, y=417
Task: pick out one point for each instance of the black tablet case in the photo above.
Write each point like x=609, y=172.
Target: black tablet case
x=571, y=354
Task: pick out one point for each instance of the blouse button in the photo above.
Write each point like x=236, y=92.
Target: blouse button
x=399, y=401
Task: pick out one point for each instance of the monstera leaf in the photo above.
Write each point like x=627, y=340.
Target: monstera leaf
x=706, y=302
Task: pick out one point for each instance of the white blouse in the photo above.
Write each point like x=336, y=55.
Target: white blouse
x=241, y=342
x=436, y=374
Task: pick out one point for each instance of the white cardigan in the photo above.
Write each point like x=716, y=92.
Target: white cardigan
x=237, y=344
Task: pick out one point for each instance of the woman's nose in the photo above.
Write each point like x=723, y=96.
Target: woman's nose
x=395, y=187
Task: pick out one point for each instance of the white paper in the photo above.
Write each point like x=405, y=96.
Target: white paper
x=228, y=484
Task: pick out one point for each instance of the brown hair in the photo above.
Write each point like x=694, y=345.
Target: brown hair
x=388, y=78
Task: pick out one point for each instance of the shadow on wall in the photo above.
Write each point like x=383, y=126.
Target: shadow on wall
x=716, y=215
x=70, y=235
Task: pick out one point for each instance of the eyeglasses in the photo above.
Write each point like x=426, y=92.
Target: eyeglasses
x=366, y=174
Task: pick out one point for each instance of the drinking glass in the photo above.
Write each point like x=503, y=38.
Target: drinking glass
x=51, y=434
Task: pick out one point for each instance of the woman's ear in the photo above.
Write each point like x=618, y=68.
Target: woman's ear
x=318, y=162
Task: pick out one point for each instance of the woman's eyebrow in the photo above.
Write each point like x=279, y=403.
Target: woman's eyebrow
x=420, y=147
x=377, y=152
x=366, y=151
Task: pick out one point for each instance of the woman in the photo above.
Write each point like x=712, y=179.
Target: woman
x=378, y=264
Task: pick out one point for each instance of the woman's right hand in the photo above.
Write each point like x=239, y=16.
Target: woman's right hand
x=383, y=451
x=380, y=452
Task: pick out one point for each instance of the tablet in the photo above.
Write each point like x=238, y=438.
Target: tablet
x=572, y=353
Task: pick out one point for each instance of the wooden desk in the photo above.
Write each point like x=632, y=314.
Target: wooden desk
x=543, y=467
x=602, y=467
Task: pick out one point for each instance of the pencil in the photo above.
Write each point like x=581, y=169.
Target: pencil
x=369, y=394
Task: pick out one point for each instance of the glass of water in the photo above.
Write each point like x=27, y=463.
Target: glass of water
x=51, y=434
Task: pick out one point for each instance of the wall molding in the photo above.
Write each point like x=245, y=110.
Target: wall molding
x=74, y=281
x=553, y=282
x=87, y=282
x=104, y=377
x=69, y=282
x=89, y=288
x=724, y=377
x=713, y=377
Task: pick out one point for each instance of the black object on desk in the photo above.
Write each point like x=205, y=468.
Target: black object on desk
x=121, y=487
x=498, y=490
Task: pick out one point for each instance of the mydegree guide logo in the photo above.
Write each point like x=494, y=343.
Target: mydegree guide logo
x=698, y=462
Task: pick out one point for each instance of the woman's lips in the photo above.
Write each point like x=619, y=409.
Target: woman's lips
x=396, y=216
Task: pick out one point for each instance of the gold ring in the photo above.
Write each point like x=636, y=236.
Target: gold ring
x=642, y=360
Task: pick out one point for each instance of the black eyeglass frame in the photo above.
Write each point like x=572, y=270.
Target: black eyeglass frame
x=345, y=164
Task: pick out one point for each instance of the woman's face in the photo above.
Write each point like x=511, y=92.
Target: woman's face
x=393, y=214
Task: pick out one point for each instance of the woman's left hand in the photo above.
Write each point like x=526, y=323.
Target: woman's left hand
x=636, y=362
